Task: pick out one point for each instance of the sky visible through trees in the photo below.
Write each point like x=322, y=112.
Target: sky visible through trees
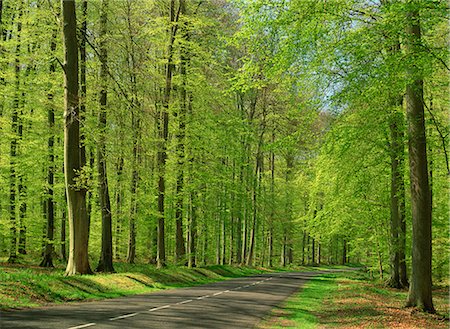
x=194, y=132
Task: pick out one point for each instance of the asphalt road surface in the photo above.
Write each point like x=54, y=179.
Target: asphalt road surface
x=235, y=303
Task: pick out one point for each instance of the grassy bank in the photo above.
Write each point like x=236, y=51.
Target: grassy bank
x=350, y=300
x=31, y=286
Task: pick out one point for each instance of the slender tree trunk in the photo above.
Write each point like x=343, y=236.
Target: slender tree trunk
x=180, y=250
x=344, y=252
x=319, y=253
x=313, y=251
x=63, y=232
x=13, y=147
x=272, y=203
x=78, y=262
x=119, y=211
x=131, y=253
x=284, y=248
x=420, y=293
x=106, y=257
x=136, y=128
x=192, y=231
x=163, y=138
x=303, y=247
x=254, y=201
x=47, y=260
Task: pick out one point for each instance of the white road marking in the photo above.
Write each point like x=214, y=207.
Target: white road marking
x=218, y=293
x=158, y=308
x=184, y=302
x=237, y=288
x=123, y=316
x=226, y=291
x=83, y=326
x=201, y=297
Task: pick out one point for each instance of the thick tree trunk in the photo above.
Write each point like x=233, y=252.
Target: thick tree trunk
x=106, y=257
x=420, y=293
x=78, y=262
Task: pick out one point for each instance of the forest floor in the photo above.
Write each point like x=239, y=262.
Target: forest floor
x=350, y=300
x=24, y=285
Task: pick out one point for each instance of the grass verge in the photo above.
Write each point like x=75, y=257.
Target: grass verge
x=299, y=311
x=350, y=300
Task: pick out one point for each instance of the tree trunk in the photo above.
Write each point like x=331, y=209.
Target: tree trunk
x=303, y=247
x=63, y=232
x=313, y=251
x=78, y=262
x=180, y=250
x=192, y=232
x=163, y=138
x=420, y=293
x=47, y=260
x=136, y=128
x=272, y=203
x=119, y=211
x=131, y=253
x=344, y=252
x=106, y=257
x=13, y=148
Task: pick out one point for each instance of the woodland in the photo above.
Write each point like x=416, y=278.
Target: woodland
x=240, y=132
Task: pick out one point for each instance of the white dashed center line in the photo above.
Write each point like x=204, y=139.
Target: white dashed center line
x=184, y=302
x=83, y=326
x=123, y=316
x=202, y=297
x=158, y=308
x=167, y=306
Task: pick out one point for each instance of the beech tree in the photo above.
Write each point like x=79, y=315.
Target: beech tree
x=420, y=289
x=78, y=261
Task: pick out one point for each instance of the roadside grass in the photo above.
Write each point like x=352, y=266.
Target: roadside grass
x=350, y=300
x=30, y=286
x=299, y=310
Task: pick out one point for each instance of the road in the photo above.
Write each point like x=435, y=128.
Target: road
x=235, y=303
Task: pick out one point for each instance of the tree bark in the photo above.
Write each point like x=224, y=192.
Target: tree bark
x=163, y=138
x=47, y=260
x=13, y=147
x=119, y=211
x=78, y=262
x=180, y=250
x=420, y=292
x=136, y=128
x=106, y=257
x=192, y=231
